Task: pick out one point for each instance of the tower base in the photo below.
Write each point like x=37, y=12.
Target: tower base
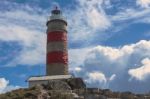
x=58, y=82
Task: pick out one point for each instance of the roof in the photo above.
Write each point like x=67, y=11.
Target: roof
x=41, y=78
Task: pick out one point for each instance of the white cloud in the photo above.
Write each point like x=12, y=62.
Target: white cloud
x=26, y=29
x=130, y=13
x=77, y=56
x=4, y=87
x=143, y=3
x=33, y=42
x=111, y=54
x=3, y=83
x=24, y=35
x=97, y=20
x=87, y=19
x=133, y=15
x=96, y=77
x=107, y=3
x=104, y=65
x=141, y=72
x=113, y=76
x=78, y=69
x=23, y=15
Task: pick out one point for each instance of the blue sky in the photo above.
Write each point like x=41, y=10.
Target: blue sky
x=108, y=42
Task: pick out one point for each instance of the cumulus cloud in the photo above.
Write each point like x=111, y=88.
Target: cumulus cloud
x=3, y=83
x=74, y=58
x=142, y=72
x=78, y=69
x=97, y=78
x=5, y=87
x=113, y=64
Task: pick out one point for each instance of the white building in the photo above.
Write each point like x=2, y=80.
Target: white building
x=39, y=80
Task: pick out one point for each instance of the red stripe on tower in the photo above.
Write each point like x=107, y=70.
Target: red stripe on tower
x=56, y=36
x=57, y=57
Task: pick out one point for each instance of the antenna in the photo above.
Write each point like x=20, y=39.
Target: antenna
x=55, y=7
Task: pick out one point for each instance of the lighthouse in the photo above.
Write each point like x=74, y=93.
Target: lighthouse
x=57, y=53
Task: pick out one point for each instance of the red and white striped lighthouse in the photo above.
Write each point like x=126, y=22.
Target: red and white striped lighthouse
x=57, y=53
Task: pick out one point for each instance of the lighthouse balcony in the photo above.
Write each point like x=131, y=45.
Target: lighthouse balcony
x=59, y=17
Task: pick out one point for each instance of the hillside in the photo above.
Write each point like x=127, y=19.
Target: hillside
x=69, y=89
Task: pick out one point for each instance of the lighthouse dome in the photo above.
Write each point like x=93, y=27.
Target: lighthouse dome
x=56, y=14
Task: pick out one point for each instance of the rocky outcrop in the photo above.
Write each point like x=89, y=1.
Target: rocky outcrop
x=57, y=85
x=76, y=83
x=69, y=89
x=69, y=84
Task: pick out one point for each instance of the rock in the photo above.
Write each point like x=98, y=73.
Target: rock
x=75, y=95
x=61, y=95
x=94, y=96
x=58, y=85
x=76, y=83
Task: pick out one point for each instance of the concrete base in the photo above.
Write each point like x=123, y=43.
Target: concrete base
x=39, y=80
x=58, y=82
